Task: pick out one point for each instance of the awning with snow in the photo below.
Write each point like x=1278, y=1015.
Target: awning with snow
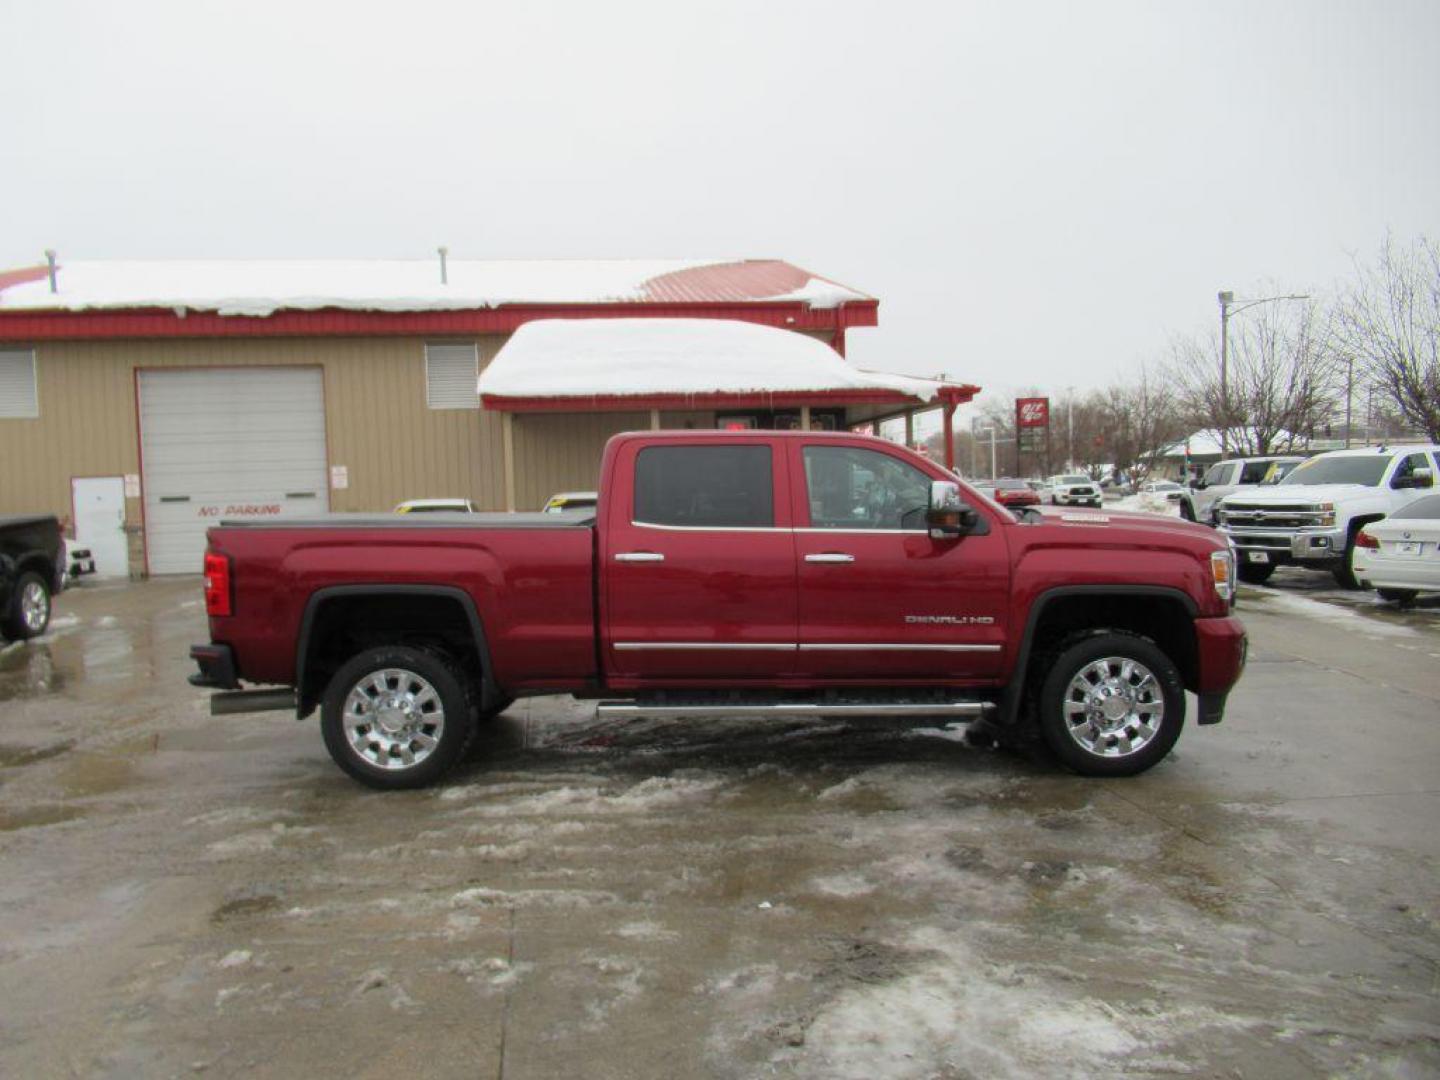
x=570, y=365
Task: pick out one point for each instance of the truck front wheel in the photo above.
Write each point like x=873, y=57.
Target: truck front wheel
x=396, y=716
x=1111, y=704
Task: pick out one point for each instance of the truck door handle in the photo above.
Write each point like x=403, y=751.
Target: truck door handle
x=639, y=556
x=830, y=557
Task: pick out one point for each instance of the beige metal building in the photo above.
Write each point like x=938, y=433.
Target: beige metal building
x=145, y=401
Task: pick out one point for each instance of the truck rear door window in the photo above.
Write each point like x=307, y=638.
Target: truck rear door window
x=705, y=486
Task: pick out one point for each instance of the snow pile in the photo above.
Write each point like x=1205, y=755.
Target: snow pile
x=261, y=287
x=586, y=358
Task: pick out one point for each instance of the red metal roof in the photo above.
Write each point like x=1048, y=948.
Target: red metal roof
x=752, y=279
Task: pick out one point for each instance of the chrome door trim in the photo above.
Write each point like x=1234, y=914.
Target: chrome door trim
x=744, y=646
x=639, y=556
x=888, y=647
x=830, y=557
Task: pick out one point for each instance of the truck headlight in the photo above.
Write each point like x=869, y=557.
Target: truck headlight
x=1222, y=571
x=1325, y=515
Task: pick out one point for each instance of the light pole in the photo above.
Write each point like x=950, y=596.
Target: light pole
x=1070, y=436
x=991, y=432
x=1229, y=306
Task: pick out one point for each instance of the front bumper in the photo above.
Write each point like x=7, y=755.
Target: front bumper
x=1283, y=547
x=1221, y=649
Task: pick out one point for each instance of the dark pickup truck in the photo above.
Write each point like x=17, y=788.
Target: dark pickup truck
x=751, y=573
x=32, y=562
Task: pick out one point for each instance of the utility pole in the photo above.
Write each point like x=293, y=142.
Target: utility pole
x=1349, y=393
x=1070, y=438
x=1226, y=299
x=1227, y=302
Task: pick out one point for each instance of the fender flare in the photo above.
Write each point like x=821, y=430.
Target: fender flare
x=1014, y=693
x=489, y=687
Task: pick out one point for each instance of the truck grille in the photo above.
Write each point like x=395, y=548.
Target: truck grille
x=1270, y=517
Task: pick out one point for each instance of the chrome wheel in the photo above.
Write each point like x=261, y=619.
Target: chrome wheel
x=34, y=607
x=1113, y=707
x=393, y=719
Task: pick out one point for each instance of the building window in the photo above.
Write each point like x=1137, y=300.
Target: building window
x=705, y=486
x=451, y=374
x=19, y=399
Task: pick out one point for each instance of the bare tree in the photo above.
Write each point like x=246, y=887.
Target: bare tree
x=1388, y=322
x=1136, y=418
x=1284, y=378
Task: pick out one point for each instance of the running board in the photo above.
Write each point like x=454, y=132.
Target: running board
x=244, y=701
x=619, y=709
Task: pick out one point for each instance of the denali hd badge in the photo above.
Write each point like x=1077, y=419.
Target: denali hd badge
x=952, y=620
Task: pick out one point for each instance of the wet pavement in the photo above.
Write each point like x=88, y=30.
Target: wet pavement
x=184, y=894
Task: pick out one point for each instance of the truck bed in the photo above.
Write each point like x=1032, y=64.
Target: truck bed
x=567, y=519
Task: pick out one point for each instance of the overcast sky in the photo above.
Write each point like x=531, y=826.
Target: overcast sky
x=1039, y=193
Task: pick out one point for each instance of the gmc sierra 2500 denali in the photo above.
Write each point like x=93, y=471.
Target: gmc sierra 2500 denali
x=753, y=573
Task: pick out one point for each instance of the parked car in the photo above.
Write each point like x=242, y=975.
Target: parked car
x=1072, y=489
x=1161, y=495
x=32, y=565
x=79, y=561
x=1227, y=477
x=1400, y=556
x=571, y=500
x=1313, y=516
x=1009, y=492
x=1113, y=485
x=914, y=596
x=436, y=506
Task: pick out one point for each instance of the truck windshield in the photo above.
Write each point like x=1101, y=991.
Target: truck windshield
x=1338, y=470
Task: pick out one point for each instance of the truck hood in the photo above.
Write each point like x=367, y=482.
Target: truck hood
x=1127, y=520
x=1300, y=494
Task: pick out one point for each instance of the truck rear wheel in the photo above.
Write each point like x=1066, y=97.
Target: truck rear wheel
x=1111, y=704
x=29, y=612
x=397, y=717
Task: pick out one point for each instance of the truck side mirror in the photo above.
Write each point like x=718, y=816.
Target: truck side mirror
x=948, y=516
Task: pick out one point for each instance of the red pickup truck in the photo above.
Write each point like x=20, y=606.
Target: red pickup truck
x=752, y=573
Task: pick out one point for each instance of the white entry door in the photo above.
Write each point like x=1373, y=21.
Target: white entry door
x=227, y=443
x=100, y=522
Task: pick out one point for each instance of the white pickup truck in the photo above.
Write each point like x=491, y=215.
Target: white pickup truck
x=1311, y=517
x=1228, y=477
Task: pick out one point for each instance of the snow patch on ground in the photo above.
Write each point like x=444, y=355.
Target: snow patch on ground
x=656, y=793
x=959, y=1015
x=532, y=898
x=1274, y=599
x=843, y=885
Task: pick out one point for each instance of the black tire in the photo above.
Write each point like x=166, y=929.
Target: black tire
x=1345, y=572
x=25, y=619
x=1162, y=687
x=1255, y=573
x=452, y=695
x=1399, y=596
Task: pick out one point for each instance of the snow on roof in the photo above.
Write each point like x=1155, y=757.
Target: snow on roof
x=1206, y=443
x=260, y=288
x=590, y=358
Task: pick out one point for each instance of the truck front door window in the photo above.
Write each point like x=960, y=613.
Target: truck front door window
x=863, y=489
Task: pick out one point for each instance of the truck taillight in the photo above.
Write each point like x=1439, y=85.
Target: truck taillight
x=1365, y=540
x=217, y=584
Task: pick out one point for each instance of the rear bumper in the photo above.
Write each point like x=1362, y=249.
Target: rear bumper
x=1220, y=647
x=217, y=667
x=1379, y=572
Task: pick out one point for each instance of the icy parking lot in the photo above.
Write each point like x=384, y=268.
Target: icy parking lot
x=188, y=894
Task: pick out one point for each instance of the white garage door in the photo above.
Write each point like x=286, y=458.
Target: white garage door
x=227, y=443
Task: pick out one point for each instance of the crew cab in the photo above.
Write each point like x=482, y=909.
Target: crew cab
x=32, y=567
x=1313, y=516
x=1228, y=477
x=754, y=573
